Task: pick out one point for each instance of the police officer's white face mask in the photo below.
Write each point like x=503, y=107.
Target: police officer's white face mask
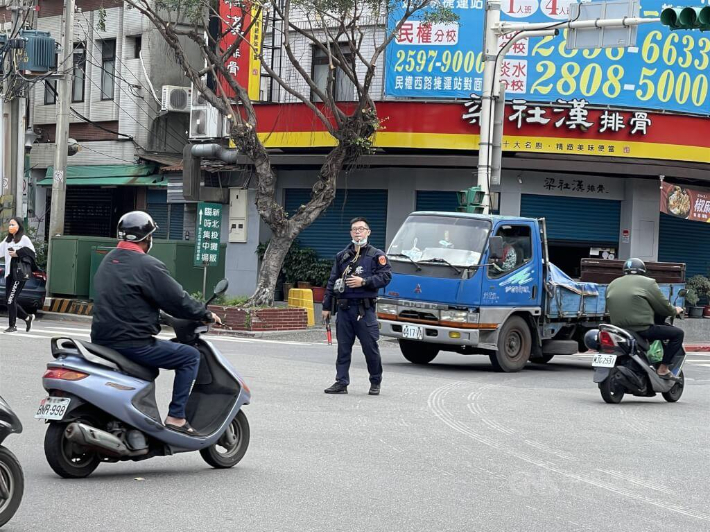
x=359, y=235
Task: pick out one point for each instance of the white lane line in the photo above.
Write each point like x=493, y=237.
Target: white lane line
x=27, y=335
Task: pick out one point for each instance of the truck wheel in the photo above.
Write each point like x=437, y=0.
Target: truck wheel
x=418, y=352
x=514, y=346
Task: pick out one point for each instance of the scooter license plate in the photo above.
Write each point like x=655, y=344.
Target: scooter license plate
x=604, y=361
x=412, y=332
x=53, y=408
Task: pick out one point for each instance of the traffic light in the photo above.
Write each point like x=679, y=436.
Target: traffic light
x=471, y=200
x=686, y=18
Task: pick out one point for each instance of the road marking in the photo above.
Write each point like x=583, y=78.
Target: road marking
x=435, y=403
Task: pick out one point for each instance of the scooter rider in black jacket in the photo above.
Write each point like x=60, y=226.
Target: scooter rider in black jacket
x=131, y=289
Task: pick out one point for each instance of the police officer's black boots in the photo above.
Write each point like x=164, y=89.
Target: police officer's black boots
x=374, y=389
x=337, y=388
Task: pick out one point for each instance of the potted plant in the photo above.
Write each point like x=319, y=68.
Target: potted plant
x=691, y=299
x=701, y=286
x=319, y=276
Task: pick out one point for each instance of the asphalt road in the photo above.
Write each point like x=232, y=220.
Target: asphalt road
x=450, y=446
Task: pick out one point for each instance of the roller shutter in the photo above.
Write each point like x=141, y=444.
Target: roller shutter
x=330, y=232
x=685, y=241
x=575, y=219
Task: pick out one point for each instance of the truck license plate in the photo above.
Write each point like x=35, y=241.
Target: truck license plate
x=412, y=332
x=604, y=361
x=53, y=408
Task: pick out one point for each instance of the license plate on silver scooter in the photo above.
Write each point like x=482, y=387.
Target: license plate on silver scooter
x=53, y=408
x=604, y=361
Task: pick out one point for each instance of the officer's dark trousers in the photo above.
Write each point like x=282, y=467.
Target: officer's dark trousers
x=12, y=292
x=674, y=335
x=184, y=359
x=366, y=330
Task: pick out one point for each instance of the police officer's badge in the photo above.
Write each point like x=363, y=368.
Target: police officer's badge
x=382, y=260
x=358, y=270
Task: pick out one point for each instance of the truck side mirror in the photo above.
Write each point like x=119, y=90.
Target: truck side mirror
x=495, y=246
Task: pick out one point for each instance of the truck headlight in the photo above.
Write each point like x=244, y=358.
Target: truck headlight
x=387, y=308
x=456, y=316
x=473, y=317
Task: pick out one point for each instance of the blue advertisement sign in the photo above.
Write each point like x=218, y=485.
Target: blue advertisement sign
x=665, y=70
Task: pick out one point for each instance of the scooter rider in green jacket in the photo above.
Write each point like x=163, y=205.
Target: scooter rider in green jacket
x=633, y=302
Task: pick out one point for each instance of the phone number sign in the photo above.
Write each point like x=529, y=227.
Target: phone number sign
x=666, y=70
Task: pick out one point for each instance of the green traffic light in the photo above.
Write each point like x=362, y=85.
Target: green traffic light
x=686, y=18
x=670, y=16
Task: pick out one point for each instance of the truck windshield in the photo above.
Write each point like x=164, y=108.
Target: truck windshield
x=459, y=241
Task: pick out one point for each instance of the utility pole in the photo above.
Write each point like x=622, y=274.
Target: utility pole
x=61, y=137
x=492, y=95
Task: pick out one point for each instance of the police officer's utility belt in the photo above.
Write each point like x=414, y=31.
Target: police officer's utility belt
x=367, y=303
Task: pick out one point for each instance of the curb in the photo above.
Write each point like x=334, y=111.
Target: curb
x=68, y=306
x=698, y=348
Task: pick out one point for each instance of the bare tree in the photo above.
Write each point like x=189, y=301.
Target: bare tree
x=341, y=30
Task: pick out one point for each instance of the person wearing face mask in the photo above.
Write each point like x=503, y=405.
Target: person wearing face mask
x=19, y=256
x=131, y=289
x=359, y=271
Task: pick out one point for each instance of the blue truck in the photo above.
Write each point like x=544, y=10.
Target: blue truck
x=480, y=284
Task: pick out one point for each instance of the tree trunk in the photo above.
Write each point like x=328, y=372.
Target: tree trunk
x=270, y=269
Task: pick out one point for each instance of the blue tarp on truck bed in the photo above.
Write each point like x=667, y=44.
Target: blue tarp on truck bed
x=567, y=298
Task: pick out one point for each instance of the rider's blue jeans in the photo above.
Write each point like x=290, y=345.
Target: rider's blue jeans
x=184, y=359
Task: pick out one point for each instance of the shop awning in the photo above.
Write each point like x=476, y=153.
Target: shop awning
x=109, y=175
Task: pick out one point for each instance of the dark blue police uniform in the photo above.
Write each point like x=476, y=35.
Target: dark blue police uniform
x=355, y=307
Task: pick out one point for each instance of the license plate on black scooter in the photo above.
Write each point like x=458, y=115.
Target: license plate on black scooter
x=53, y=408
x=604, y=361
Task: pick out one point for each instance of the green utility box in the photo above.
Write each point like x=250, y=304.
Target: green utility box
x=70, y=264
x=73, y=273
x=97, y=255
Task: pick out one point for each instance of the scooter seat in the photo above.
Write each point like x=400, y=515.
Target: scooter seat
x=124, y=364
x=642, y=342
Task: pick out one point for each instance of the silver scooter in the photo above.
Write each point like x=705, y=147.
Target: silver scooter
x=101, y=406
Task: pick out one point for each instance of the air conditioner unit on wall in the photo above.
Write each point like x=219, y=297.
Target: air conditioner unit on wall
x=205, y=120
x=176, y=99
x=226, y=127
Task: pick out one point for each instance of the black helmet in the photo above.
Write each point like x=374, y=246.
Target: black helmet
x=634, y=267
x=135, y=226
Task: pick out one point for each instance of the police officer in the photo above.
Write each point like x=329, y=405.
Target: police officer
x=360, y=270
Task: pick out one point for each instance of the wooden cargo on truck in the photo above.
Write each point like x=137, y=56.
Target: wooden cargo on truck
x=605, y=271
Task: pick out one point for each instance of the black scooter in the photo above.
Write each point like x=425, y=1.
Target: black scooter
x=12, y=480
x=622, y=367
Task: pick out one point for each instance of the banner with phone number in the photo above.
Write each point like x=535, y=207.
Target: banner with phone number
x=666, y=70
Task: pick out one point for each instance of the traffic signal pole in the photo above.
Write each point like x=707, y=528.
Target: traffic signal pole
x=492, y=95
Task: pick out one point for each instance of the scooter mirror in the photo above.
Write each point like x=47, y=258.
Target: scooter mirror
x=221, y=287
x=682, y=292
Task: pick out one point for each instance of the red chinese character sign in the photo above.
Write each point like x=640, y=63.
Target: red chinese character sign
x=243, y=63
x=686, y=203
